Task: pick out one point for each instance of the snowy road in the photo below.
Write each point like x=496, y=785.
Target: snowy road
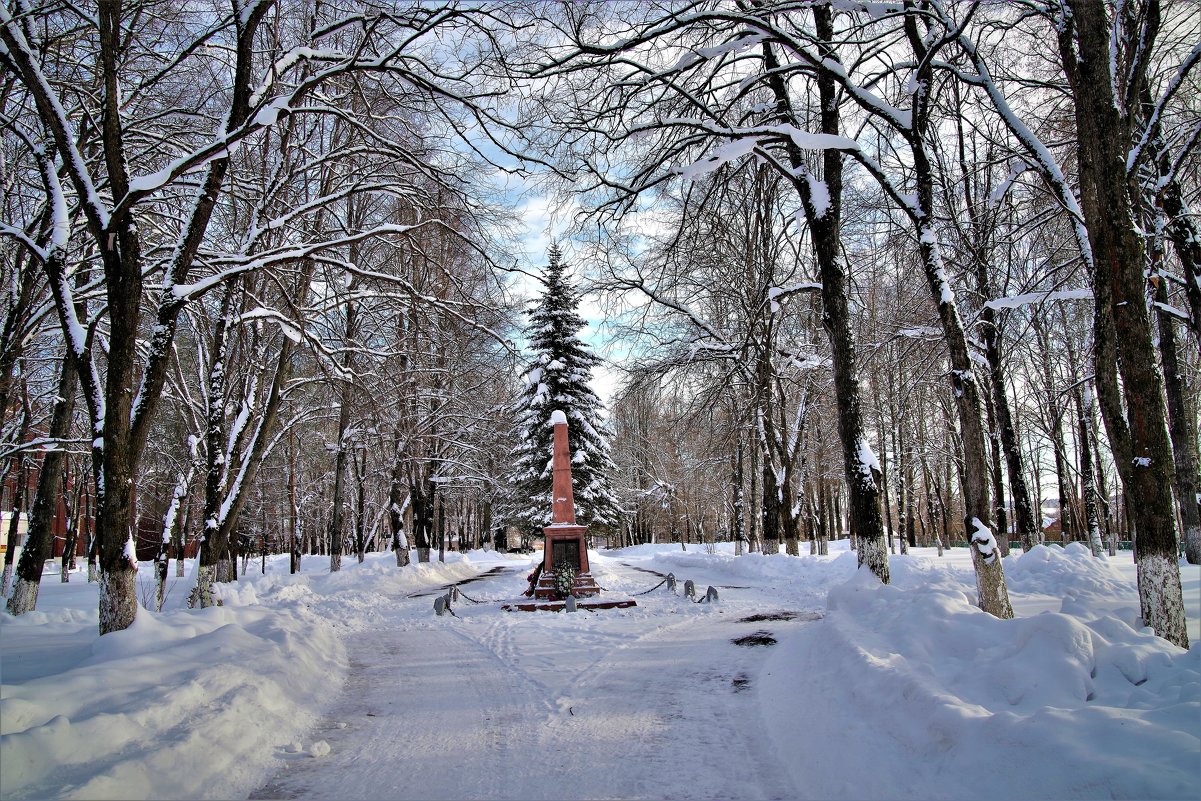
x=649, y=702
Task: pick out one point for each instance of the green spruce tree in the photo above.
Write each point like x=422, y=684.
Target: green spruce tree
x=557, y=378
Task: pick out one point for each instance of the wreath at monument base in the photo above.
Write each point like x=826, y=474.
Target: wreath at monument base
x=564, y=581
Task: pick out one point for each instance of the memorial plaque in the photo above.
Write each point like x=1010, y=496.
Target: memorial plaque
x=565, y=553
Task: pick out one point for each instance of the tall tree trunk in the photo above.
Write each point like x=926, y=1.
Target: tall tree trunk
x=771, y=509
x=423, y=517
x=991, y=591
x=440, y=525
x=828, y=515
x=737, y=505
x=13, y=535
x=789, y=519
x=1067, y=526
x=294, y=532
x=181, y=537
x=92, y=545
x=824, y=220
x=1182, y=228
x=1104, y=507
x=1122, y=325
x=998, y=481
x=755, y=521
x=1183, y=432
x=214, y=557
x=359, y=460
x=1004, y=437
x=75, y=513
x=903, y=470
x=397, y=501
x=338, y=501
x=1025, y=520
x=39, y=542
x=1092, y=523
x=884, y=493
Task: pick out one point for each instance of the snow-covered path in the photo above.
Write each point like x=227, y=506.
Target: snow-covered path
x=647, y=702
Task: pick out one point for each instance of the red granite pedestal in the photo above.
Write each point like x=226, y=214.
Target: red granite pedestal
x=565, y=545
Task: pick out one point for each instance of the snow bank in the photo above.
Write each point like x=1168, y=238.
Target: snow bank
x=1068, y=704
x=352, y=599
x=758, y=567
x=188, y=703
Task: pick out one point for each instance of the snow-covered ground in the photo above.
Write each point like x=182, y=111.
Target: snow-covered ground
x=347, y=686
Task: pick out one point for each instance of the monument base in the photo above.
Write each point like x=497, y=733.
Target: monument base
x=559, y=606
x=584, y=586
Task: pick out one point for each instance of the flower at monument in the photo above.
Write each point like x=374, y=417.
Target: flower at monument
x=564, y=580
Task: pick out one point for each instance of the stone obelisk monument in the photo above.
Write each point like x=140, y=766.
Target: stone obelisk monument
x=565, y=545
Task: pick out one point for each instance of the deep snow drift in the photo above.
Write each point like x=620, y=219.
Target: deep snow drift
x=346, y=685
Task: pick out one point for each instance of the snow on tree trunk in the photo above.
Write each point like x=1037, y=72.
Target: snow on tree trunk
x=1161, y=597
x=202, y=593
x=337, y=502
x=118, y=591
x=1182, y=428
x=873, y=555
x=161, y=568
x=1088, y=481
x=179, y=541
x=991, y=592
x=24, y=597
x=64, y=570
x=214, y=553
x=990, y=581
x=398, y=502
x=8, y=567
x=13, y=533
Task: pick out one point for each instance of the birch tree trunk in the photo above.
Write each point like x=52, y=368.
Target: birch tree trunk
x=213, y=561
x=1092, y=523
